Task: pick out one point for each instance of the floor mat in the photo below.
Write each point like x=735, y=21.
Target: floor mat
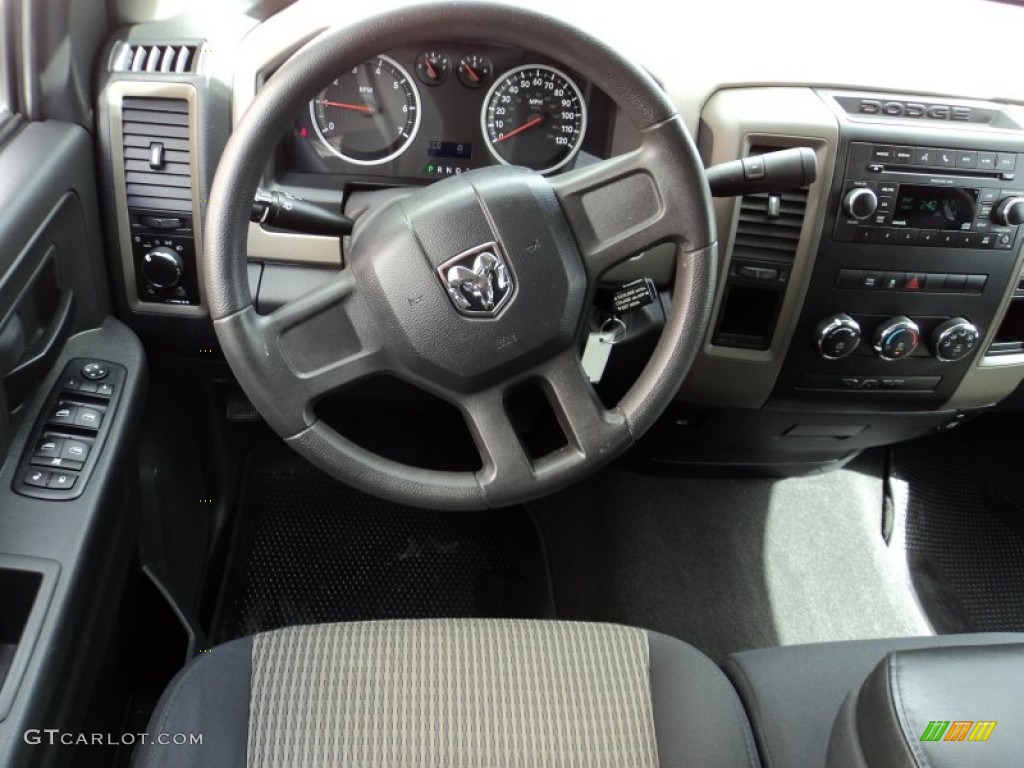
x=962, y=536
x=731, y=564
x=308, y=549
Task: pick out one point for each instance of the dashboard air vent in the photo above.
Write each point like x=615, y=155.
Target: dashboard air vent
x=769, y=229
x=177, y=59
x=157, y=153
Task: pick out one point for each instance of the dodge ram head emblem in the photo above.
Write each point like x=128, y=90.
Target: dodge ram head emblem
x=478, y=281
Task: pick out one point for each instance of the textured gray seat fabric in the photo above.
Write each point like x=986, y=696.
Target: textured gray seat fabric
x=452, y=693
x=793, y=694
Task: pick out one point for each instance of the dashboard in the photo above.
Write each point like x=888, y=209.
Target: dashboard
x=884, y=300
x=421, y=114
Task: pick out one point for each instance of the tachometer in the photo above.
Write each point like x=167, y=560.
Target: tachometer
x=534, y=115
x=370, y=114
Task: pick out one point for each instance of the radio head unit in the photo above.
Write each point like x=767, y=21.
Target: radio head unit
x=930, y=197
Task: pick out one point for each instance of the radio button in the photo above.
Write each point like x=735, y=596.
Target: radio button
x=906, y=236
x=1006, y=162
x=926, y=156
x=934, y=282
x=945, y=158
x=868, y=234
x=986, y=161
x=987, y=240
x=989, y=195
x=969, y=240
x=885, y=204
x=981, y=225
x=882, y=154
x=904, y=155
x=965, y=159
x=888, y=236
x=887, y=188
x=928, y=237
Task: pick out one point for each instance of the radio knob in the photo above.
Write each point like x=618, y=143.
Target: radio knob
x=162, y=267
x=837, y=336
x=954, y=340
x=860, y=203
x=1009, y=212
x=896, y=338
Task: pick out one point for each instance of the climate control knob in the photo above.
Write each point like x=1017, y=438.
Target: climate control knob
x=897, y=338
x=162, y=267
x=837, y=336
x=955, y=339
x=1009, y=212
x=860, y=203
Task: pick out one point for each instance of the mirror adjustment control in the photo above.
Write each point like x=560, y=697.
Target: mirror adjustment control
x=837, y=336
x=897, y=338
x=954, y=340
x=95, y=371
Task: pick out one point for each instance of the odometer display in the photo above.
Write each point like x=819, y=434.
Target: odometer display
x=534, y=116
x=369, y=115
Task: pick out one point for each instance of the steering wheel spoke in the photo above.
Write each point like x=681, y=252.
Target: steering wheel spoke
x=506, y=467
x=619, y=207
x=311, y=347
x=592, y=430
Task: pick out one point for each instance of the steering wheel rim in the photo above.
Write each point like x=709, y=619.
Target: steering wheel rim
x=283, y=363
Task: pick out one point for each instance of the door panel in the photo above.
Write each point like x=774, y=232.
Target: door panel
x=52, y=277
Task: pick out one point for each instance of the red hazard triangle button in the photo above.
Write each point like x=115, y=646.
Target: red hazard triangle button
x=913, y=282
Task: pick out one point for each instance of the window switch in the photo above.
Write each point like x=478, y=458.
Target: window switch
x=75, y=450
x=105, y=389
x=37, y=478
x=63, y=414
x=88, y=418
x=49, y=448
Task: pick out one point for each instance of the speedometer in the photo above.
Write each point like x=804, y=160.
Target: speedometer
x=534, y=116
x=370, y=114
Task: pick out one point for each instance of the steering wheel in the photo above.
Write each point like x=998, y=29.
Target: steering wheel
x=530, y=249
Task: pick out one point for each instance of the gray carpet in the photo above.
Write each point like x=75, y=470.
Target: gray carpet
x=730, y=564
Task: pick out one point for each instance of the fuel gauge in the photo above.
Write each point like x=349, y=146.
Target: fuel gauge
x=432, y=67
x=474, y=70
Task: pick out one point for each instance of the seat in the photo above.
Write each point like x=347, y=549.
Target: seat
x=935, y=708
x=450, y=693
x=793, y=694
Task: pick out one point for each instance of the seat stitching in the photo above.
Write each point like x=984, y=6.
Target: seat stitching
x=753, y=719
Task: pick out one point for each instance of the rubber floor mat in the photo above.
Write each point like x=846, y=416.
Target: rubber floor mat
x=964, y=542
x=308, y=549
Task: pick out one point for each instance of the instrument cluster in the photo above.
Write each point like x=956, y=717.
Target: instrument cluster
x=439, y=111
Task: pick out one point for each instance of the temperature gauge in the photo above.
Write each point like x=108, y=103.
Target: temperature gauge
x=432, y=68
x=474, y=71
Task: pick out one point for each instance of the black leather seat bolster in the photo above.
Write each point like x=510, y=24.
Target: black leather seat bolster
x=698, y=718
x=936, y=708
x=792, y=694
x=209, y=697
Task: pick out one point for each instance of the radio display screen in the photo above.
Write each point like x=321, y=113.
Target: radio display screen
x=926, y=207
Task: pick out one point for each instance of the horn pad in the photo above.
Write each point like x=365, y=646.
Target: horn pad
x=479, y=280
